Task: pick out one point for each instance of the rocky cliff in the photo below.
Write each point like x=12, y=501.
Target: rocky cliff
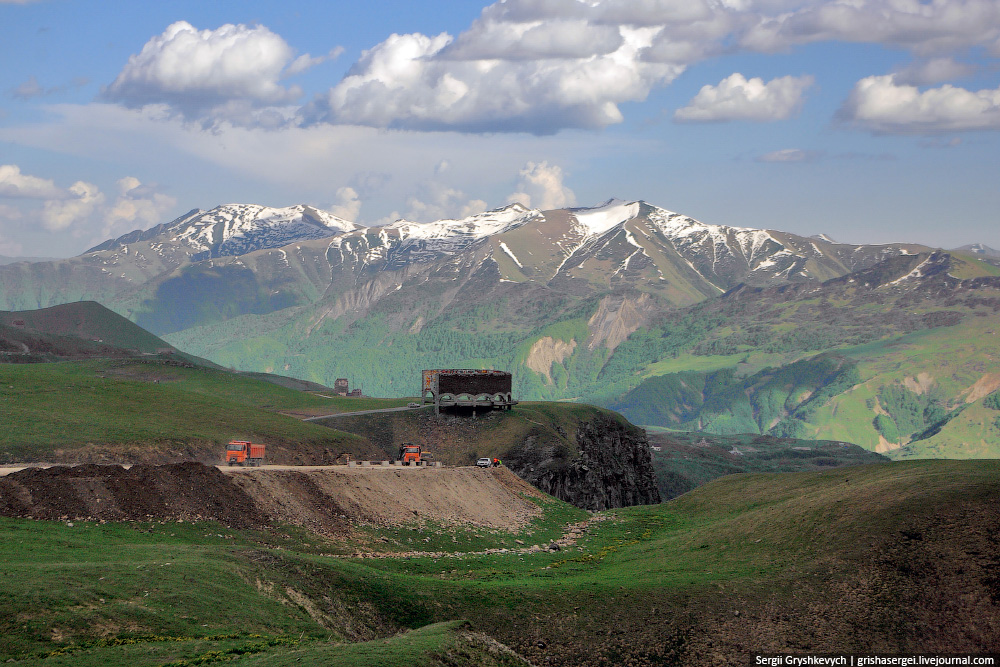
x=590, y=457
x=613, y=467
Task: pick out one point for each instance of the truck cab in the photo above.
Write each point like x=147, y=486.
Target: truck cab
x=409, y=453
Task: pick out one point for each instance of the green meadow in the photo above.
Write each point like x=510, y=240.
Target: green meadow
x=744, y=562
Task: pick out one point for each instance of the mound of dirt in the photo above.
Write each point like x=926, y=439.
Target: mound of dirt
x=324, y=500
x=182, y=491
x=331, y=498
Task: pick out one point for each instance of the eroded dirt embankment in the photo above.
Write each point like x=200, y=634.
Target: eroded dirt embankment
x=324, y=500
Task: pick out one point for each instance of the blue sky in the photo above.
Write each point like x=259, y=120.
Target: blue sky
x=869, y=120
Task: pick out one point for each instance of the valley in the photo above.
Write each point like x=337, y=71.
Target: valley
x=893, y=557
x=727, y=441
x=511, y=333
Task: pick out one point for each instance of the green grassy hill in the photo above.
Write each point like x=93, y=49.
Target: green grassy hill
x=87, y=320
x=157, y=410
x=87, y=384
x=79, y=330
x=889, y=558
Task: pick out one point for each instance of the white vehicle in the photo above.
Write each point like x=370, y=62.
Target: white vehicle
x=485, y=462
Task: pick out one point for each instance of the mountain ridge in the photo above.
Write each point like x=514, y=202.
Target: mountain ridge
x=611, y=245
x=236, y=229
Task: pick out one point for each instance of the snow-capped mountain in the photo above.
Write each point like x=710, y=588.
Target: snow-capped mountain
x=980, y=249
x=622, y=243
x=235, y=229
x=614, y=243
x=403, y=242
x=474, y=227
x=244, y=258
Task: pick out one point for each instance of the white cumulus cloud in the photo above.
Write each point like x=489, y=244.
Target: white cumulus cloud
x=217, y=73
x=57, y=215
x=537, y=66
x=15, y=184
x=437, y=201
x=559, y=38
x=880, y=104
x=348, y=204
x=739, y=98
x=137, y=206
x=412, y=82
x=933, y=27
x=540, y=186
x=82, y=206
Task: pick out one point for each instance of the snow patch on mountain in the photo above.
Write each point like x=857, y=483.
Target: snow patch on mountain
x=477, y=226
x=408, y=241
x=510, y=253
x=918, y=272
x=234, y=229
x=601, y=218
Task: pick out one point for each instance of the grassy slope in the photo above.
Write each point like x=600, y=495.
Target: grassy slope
x=950, y=361
x=151, y=405
x=88, y=320
x=150, y=410
x=442, y=644
x=776, y=333
x=953, y=358
x=83, y=329
x=688, y=460
x=881, y=553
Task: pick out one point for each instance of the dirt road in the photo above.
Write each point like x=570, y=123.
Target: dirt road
x=359, y=412
x=359, y=469
x=6, y=470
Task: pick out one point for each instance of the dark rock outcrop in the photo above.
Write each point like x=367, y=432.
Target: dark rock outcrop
x=613, y=468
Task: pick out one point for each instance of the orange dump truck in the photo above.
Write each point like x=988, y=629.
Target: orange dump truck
x=409, y=453
x=244, y=453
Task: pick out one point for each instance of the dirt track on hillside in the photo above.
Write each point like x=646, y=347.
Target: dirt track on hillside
x=324, y=500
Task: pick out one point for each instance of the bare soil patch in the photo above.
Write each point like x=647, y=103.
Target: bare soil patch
x=324, y=500
x=182, y=491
